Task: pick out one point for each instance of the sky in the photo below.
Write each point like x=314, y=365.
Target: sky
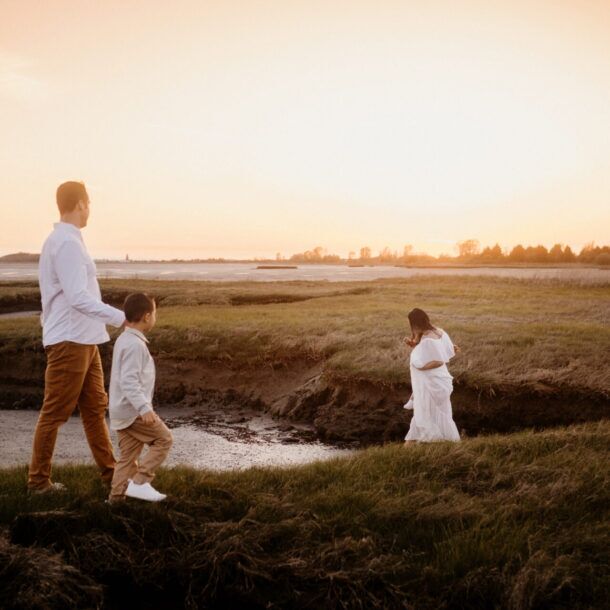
x=241, y=129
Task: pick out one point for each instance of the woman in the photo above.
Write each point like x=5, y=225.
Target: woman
x=431, y=382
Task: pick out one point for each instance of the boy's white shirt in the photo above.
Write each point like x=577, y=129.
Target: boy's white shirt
x=132, y=379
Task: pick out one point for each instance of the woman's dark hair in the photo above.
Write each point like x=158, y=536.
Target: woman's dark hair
x=137, y=305
x=419, y=319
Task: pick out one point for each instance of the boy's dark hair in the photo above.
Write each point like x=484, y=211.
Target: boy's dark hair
x=69, y=194
x=137, y=305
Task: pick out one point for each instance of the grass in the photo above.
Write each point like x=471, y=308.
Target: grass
x=519, y=521
x=514, y=333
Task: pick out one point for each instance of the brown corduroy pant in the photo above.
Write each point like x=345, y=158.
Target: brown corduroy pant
x=73, y=376
x=131, y=442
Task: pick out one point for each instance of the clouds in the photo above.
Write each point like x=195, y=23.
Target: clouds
x=18, y=82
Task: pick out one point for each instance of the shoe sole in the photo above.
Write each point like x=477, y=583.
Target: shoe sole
x=144, y=499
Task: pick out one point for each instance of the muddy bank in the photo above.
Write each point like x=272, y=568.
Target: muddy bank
x=365, y=412
x=339, y=410
x=360, y=410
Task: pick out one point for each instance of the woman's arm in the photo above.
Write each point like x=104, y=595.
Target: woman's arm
x=433, y=364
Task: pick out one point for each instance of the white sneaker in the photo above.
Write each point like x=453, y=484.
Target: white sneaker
x=145, y=491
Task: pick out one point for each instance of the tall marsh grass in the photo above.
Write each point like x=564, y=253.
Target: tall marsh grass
x=519, y=521
x=513, y=333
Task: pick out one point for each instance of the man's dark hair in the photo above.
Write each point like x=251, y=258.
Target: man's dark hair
x=137, y=305
x=69, y=194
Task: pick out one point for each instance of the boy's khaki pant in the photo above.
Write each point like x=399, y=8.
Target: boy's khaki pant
x=73, y=376
x=131, y=442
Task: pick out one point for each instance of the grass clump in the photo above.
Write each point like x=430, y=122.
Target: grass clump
x=517, y=521
x=38, y=579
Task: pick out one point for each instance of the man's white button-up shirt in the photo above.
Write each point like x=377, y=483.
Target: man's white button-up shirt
x=72, y=307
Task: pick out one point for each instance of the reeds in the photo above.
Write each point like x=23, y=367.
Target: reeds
x=514, y=334
x=519, y=521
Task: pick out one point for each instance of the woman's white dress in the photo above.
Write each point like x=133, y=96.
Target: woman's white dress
x=432, y=414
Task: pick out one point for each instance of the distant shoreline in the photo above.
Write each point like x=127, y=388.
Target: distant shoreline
x=342, y=263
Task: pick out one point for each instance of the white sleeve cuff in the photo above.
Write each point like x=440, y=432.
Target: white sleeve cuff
x=119, y=318
x=145, y=409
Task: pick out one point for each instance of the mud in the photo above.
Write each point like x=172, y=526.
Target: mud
x=338, y=411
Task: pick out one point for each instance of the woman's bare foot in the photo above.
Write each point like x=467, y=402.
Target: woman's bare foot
x=410, y=442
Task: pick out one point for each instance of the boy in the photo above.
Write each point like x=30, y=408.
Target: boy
x=132, y=381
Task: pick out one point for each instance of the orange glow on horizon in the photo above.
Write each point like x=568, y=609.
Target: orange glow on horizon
x=241, y=129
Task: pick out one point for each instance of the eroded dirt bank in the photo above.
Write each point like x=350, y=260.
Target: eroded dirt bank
x=339, y=409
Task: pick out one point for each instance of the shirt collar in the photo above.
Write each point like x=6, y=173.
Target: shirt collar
x=67, y=226
x=137, y=333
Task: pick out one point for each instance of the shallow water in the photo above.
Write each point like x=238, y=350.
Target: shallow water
x=201, y=439
x=19, y=314
x=248, y=271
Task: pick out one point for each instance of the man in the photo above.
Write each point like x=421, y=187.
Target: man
x=73, y=322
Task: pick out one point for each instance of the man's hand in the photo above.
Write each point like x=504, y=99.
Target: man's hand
x=149, y=418
x=456, y=348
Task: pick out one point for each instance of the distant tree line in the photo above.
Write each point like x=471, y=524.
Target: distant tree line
x=468, y=251
x=317, y=255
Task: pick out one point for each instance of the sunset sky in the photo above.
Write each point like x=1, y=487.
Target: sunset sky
x=246, y=128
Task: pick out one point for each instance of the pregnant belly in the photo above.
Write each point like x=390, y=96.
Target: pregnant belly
x=439, y=383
